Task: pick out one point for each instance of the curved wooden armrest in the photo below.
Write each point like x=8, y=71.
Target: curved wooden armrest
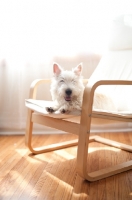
x=34, y=86
x=91, y=87
x=94, y=85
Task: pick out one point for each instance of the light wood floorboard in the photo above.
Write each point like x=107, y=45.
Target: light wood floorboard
x=53, y=175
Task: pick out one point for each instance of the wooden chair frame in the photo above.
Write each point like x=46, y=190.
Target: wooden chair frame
x=82, y=129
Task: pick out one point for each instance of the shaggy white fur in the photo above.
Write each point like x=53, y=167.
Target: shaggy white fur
x=66, y=89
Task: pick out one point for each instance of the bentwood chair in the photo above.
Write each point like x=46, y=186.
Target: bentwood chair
x=114, y=73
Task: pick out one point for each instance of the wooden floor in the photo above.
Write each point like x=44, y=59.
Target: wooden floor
x=53, y=175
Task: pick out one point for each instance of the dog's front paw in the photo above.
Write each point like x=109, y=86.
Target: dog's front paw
x=49, y=109
x=64, y=111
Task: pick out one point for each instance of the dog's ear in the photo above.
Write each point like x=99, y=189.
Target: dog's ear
x=56, y=69
x=78, y=70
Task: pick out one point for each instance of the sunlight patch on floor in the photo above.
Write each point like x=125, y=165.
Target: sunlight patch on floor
x=63, y=153
x=21, y=152
x=92, y=149
x=17, y=182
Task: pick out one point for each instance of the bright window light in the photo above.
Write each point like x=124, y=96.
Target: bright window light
x=34, y=30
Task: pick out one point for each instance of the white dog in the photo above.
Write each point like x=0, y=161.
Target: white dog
x=67, y=92
x=66, y=89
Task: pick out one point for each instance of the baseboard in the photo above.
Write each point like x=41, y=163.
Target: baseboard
x=40, y=132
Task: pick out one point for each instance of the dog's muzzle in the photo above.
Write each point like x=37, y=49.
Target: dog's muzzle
x=68, y=93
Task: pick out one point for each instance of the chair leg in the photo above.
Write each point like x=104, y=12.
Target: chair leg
x=104, y=173
x=29, y=128
x=39, y=150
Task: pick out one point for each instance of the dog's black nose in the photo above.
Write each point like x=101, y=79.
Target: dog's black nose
x=68, y=91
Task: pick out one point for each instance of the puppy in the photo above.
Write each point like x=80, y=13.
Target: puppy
x=66, y=89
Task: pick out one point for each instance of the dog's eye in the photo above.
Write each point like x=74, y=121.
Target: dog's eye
x=73, y=81
x=61, y=81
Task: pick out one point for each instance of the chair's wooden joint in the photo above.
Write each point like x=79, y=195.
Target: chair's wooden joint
x=89, y=115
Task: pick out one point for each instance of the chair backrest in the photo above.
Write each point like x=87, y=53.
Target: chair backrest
x=116, y=64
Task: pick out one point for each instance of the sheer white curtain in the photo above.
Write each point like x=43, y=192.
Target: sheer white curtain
x=34, y=33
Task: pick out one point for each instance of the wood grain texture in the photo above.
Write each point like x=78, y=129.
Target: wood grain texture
x=53, y=175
